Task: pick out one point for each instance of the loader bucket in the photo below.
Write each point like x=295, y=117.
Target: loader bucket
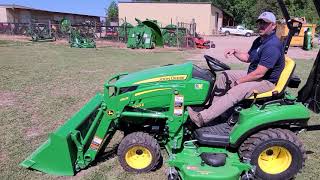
x=58, y=154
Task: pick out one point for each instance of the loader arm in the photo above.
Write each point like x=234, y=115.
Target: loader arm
x=76, y=143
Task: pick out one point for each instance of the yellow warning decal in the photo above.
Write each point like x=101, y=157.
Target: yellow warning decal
x=149, y=91
x=125, y=98
x=164, y=78
x=110, y=112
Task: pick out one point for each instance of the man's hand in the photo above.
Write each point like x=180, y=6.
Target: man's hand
x=242, y=56
x=229, y=53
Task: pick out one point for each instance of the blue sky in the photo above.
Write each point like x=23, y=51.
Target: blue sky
x=90, y=7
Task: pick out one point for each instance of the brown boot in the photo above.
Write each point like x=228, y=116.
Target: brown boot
x=195, y=117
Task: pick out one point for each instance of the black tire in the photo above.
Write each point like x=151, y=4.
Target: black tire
x=288, y=146
x=248, y=35
x=227, y=33
x=145, y=144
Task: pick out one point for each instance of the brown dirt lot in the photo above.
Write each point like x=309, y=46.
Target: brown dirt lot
x=244, y=43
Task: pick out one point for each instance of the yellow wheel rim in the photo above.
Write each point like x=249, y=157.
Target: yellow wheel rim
x=275, y=160
x=138, y=157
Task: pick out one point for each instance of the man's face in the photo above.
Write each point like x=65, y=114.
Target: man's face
x=265, y=28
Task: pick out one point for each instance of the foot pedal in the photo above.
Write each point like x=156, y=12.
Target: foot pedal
x=217, y=135
x=214, y=159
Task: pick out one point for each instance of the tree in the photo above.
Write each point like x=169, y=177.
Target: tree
x=246, y=11
x=112, y=11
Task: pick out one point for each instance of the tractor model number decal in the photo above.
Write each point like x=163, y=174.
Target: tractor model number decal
x=138, y=105
x=96, y=142
x=164, y=78
x=178, y=105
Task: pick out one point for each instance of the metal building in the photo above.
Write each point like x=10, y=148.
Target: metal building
x=207, y=17
x=10, y=13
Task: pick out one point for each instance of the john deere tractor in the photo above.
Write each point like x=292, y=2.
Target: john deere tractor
x=255, y=139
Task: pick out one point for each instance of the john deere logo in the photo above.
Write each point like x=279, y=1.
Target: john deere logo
x=110, y=112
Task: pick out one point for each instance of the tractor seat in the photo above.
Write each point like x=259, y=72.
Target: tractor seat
x=282, y=82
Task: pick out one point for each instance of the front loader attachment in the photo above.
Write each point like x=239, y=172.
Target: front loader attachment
x=60, y=154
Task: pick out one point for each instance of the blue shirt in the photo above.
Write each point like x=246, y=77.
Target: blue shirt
x=269, y=53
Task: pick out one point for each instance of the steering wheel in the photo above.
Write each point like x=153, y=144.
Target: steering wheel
x=216, y=65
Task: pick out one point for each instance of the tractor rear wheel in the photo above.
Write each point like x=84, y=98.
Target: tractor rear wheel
x=139, y=152
x=276, y=153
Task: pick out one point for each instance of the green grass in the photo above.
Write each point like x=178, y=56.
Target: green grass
x=42, y=85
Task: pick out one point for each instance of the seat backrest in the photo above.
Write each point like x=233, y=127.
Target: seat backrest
x=283, y=80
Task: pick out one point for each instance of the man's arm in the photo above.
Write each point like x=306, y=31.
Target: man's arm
x=254, y=75
x=242, y=56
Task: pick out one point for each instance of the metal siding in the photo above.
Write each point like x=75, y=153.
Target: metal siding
x=24, y=16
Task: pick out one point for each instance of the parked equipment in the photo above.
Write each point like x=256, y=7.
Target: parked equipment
x=307, y=43
x=76, y=39
x=173, y=36
x=299, y=36
x=257, y=139
x=124, y=30
x=200, y=43
x=41, y=32
x=146, y=35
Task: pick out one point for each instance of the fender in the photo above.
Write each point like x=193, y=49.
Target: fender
x=256, y=118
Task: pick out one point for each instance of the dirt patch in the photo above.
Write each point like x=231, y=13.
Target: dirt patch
x=7, y=99
x=15, y=38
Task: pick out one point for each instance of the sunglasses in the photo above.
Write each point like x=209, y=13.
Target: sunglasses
x=262, y=24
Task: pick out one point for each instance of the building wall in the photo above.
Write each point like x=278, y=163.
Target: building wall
x=216, y=19
x=26, y=16
x=3, y=14
x=177, y=12
x=10, y=16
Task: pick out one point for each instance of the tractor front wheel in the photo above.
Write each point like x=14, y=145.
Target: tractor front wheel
x=276, y=153
x=139, y=152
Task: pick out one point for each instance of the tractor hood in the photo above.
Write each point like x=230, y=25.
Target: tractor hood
x=161, y=74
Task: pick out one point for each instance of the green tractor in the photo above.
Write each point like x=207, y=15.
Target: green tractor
x=256, y=139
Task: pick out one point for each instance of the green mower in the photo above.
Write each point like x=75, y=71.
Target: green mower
x=76, y=38
x=257, y=139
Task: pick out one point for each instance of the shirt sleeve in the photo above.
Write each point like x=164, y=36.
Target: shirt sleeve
x=269, y=56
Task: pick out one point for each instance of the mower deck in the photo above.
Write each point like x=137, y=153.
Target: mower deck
x=191, y=163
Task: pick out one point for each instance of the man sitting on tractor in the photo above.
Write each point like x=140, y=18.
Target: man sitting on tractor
x=266, y=58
